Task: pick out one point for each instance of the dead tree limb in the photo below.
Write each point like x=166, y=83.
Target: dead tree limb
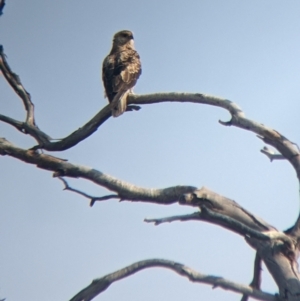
x=125, y=191
x=238, y=119
x=101, y=284
x=278, y=250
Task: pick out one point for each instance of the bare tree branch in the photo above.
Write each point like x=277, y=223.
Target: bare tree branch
x=92, y=198
x=16, y=123
x=185, y=194
x=210, y=216
x=13, y=79
x=174, y=218
x=224, y=206
x=294, y=231
x=126, y=191
x=101, y=284
x=256, y=281
x=238, y=119
x=270, y=136
x=277, y=251
x=105, y=113
x=214, y=208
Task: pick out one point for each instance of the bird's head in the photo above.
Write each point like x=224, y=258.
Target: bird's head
x=124, y=37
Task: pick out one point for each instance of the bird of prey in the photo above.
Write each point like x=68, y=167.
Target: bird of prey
x=120, y=71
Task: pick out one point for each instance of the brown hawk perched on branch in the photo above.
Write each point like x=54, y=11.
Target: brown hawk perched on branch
x=120, y=71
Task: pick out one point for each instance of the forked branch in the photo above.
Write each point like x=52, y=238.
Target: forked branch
x=238, y=119
x=93, y=199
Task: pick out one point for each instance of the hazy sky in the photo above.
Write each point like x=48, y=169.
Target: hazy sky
x=52, y=243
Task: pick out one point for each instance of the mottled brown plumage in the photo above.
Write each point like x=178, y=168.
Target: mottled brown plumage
x=120, y=71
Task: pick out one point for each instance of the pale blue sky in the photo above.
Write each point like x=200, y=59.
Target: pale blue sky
x=52, y=243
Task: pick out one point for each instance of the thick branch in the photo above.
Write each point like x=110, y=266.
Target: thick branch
x=280, y=258
x=224, y=206
x=280, y=261
x=101, y=284
x=270, y=136
x=214, y=208
x=91, y=126
x=126, y=191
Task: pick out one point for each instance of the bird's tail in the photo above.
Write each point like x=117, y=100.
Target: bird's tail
x=119, y=103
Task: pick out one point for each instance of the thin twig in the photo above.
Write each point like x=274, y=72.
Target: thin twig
x=174, y=218
x=213, y=217
x=271, y=155
x=92, y=198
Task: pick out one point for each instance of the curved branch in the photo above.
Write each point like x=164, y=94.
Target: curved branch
x=126, y=191
x=101, y=284
x=238, y=119
x=269, y=136
x=14, y=81
x=223, y=211
x=91, y=126
x=29, y=126
x=214, y=208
